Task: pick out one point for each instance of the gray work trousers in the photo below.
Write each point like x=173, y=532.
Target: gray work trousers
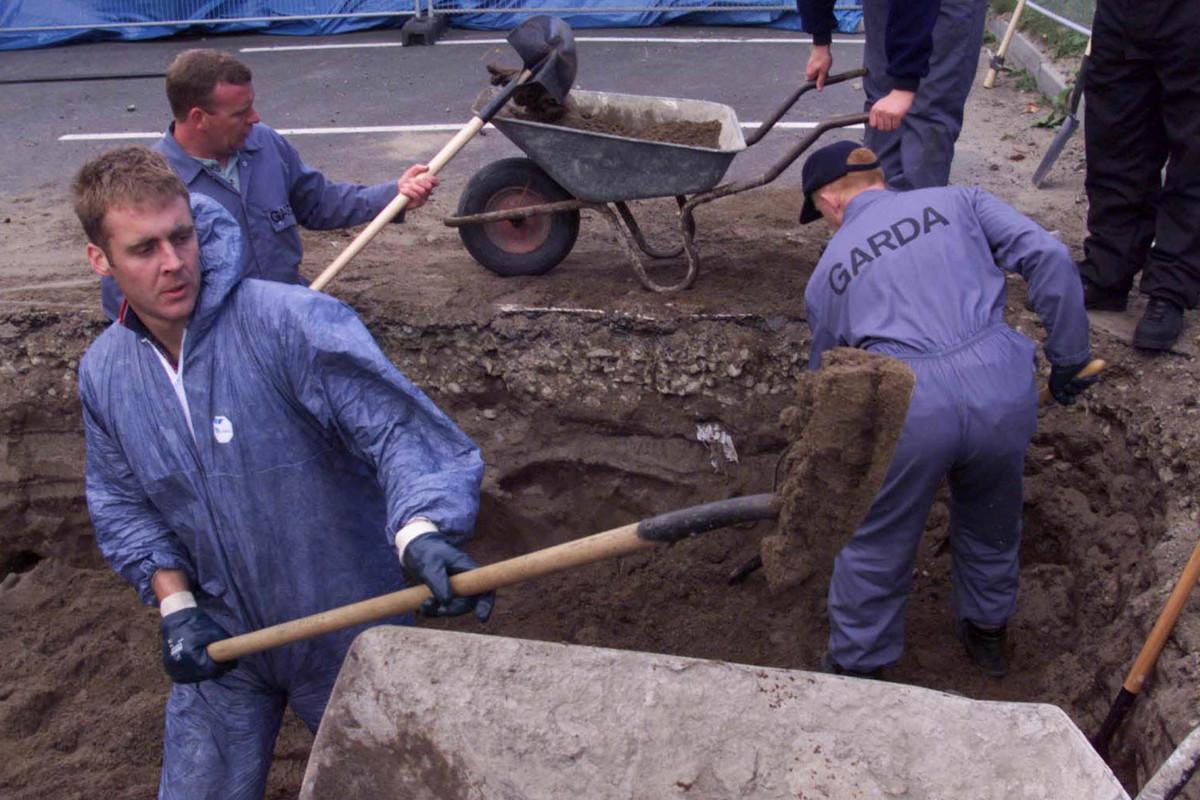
x=918, y=154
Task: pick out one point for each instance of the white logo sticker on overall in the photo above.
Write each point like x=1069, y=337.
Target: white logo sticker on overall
x=222, y=430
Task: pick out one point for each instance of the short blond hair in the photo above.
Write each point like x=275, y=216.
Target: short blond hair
x=863, y=179
x=129, y=176
x=194, y=74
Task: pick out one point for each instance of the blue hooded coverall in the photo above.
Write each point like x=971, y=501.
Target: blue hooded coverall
x=919, y=276
x=303, y=451
x=279, y=192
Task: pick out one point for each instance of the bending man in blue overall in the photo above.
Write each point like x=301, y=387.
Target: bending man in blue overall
x=252, y=457
x=919, y=276
x=220, y=147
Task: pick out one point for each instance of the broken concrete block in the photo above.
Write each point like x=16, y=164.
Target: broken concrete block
x=433, y=714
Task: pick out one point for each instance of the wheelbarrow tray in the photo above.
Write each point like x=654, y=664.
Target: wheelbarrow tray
x=603, y=168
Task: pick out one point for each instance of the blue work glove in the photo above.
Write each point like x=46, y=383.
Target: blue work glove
x=185, y=635
x=431, y=560
x=1065, y=386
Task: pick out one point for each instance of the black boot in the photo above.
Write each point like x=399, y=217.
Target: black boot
x=831, y=667
x=1097, y=299
x=986, y=647
x=1160, y=325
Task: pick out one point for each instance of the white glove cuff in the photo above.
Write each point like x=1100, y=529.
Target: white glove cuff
x=177, y=601
x=414, y=528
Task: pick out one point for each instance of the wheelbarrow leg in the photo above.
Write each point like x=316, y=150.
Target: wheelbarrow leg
x=640, y=238
x=632, y=249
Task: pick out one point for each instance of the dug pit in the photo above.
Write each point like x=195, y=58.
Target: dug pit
x=588, y=421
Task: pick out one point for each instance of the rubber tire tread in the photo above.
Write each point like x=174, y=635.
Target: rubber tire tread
x=504, y=174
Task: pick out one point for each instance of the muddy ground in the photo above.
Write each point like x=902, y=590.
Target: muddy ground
x=585, y=392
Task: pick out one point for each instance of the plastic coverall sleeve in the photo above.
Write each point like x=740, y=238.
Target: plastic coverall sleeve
x=130, y=532
x=426, y=466
x=321, y=204
x=1021, y=245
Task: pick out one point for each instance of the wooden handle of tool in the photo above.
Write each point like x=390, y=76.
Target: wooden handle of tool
x=396, y=206
x=598, y=547
x=1094, y=367
x=1164, y=624
x=990, y=80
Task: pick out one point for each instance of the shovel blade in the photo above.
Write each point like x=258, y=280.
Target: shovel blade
x=1065, y=131
x=546, y=45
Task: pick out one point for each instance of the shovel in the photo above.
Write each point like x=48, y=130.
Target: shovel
x=547, y=48
x=662, y=529
x=1144, y=664
x=997, y=62
x=1067, y=129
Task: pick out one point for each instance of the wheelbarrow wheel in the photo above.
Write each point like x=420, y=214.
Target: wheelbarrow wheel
x=531, y=246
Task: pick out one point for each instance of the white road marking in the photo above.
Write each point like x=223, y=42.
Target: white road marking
x=437, y=128
x=601, y=39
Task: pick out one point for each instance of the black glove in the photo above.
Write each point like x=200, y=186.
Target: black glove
x=431, y=560
x=185, y=635
x=1065, y=386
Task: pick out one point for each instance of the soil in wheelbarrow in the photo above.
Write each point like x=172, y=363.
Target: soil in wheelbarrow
x=691, y=134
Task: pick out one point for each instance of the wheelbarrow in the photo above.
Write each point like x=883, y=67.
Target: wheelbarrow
x=520, y=216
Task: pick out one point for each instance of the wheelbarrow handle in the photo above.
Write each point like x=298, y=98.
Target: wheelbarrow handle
x=802, y=90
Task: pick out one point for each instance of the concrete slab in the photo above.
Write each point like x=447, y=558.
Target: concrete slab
x=432, y=714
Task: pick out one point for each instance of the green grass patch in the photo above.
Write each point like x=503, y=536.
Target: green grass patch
x=1057, y=40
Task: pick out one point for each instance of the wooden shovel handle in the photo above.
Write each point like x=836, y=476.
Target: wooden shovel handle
x=657, y=530
x=1164, y=624
x=990, y=80
x=393, y=208
x=608, y=544
x=1094, y=367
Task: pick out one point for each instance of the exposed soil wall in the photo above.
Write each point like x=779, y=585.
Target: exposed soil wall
x=588, y=421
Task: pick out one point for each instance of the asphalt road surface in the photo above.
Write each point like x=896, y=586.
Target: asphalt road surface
x=333, y=94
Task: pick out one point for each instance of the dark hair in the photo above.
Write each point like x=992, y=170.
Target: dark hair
x=194, y=74
x=128, y=176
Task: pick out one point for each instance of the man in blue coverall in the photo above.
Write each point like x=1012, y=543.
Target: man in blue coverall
x=921, y=57
x=919, y=276
x=252, y=457
x=219, y=146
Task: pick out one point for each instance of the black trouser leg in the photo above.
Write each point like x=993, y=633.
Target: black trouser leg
x=1126, y=148
x=1173, y=268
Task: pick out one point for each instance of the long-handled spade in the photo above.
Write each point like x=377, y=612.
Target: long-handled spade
x=1069, y=124
x=1149, y=654
x=662, y=529
x=547, y=48
x=843, y=430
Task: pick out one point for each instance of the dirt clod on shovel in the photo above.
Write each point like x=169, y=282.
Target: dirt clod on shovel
x=844, y=429
x=535, y=102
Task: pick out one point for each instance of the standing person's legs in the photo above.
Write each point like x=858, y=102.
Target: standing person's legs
x=1172, y=270
x=877, y=83
x=218, y=739
x=920, y=152
x=1126, y=146
x=872, y=574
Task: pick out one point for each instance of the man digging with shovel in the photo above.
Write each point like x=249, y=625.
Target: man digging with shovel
x=252, y=457
x=919, y=276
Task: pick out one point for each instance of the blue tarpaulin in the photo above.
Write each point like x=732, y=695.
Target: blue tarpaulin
x=65, y=21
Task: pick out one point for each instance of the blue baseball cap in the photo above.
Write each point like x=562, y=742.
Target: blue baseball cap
x=823, y=168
